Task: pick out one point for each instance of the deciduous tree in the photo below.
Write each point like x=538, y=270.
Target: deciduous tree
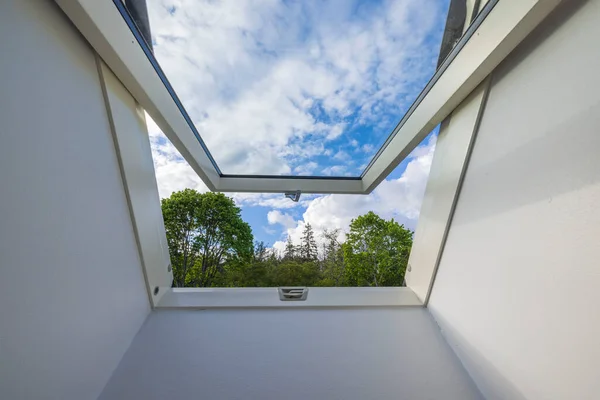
x=204, y=231
x=376, y=251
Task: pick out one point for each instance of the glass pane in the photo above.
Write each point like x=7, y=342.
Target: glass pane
x=296, y=88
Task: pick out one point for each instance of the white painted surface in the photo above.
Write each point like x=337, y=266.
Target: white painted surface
x=72, y=294
x=517, y=288
x=452, y=150
x=269, y=297
x=451, y=155
x=280, y=185
x=379, y=353
x=129, y=131
x=104, y=28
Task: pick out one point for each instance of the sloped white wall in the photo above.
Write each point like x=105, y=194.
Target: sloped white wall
x=72, y=293
x=517, y=290
x=290, y=354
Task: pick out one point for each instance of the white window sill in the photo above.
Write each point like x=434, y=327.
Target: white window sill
x=269, y=298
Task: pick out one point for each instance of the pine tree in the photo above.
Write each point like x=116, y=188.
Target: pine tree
x=290, y=250
x=261, y=251
x=332, y=265
x=308, y=247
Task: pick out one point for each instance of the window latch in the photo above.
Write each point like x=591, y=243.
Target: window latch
x=294, y=196
x=293, y=293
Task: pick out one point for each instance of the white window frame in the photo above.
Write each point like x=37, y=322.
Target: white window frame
x=497, y=30
x=318, y=297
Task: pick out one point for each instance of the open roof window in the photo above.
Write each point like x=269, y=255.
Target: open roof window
x=311, y=97
x=332, y=88
x=262, y=240
x=296, y=88
x=473, y=44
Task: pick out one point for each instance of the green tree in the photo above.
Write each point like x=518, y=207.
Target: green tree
x=290, y=251
x=296, y=273
x=308, y=246
x=256, y=272
x=332, y=264
x=376, y=251
x=261, y=251
x=204, y=231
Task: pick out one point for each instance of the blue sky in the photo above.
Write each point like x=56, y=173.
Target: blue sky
x=303, y=88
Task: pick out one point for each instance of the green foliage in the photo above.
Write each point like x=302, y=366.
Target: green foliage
x=333, y=266
x=295, y=273
x=205, y=231
x=308, y=247
x=376, y=251
x=256, y=272
x=211, y=246
x=290, y=251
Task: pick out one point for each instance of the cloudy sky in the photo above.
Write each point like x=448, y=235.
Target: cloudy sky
x=298, y=87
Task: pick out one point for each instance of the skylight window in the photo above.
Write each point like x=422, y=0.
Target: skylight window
x=296, y=88
x=474, y=42
x=268, y=240
x=329, y=108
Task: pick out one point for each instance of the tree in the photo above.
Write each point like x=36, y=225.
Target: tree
x=290, y=250
x=308, y=246
x=204, y=231
x=261, y=251
x=256, y=272
x=295, y=273
x=376, y=251
x=332, y=264
x=210, y=245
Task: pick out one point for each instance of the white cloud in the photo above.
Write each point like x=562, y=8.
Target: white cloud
x=173, y=173
x=277, y=217
x=335, y=131
x=334, y=170
x=270, y=200
x=341, y=156
x=395, y=198
x=368, y=148
x=306, y=169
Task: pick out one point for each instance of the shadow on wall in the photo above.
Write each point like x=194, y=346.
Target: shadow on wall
x=488, y=379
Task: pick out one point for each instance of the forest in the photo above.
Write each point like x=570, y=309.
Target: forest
x=210, y=245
